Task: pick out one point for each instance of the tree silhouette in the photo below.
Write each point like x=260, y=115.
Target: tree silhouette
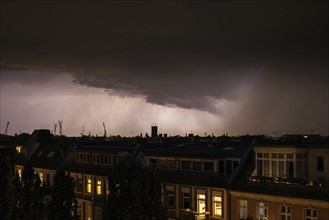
x=7, y=189
x=30, y=194
x=135, y=193
x=63, y=202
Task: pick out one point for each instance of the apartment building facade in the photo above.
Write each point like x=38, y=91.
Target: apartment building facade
x=200, y=181
x=283, y=182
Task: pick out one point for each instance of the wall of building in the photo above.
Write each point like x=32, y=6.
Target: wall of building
x=314, y=173
x=297, y=206
x=91, y=196
x=179, y=211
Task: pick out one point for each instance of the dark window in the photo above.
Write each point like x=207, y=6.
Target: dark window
x=290, y=156
x=48, y=181
x=208, y=166
x=153, y=163
x=221, y=165
x=290, y=169
x=235, y=164
x=172, y=164
x=79, y=185
x=186, y=200
x=171, y=200
x=197, y=165
x=163, y=163
x=186, y=165
x=228, y=168
x=259, y=168
x=320, y=163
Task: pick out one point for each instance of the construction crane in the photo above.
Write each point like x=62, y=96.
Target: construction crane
x=83, y=131
x=7, y=128
x=60, y=123
x=55, y=127
x=105, y=133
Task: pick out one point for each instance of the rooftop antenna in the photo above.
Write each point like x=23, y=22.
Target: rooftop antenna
x=7, y=128
x=60, y=123
x=105, y=133
x=55, y=128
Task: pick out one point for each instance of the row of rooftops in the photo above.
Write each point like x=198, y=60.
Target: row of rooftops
x=42, y=146
x=46, y=151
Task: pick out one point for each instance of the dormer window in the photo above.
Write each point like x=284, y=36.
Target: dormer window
x=50, y=154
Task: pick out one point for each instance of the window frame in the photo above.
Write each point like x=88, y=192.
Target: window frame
x=320, y=163
x=242, y=208
x=99, y=187
x=285, y=214
x=312, y=211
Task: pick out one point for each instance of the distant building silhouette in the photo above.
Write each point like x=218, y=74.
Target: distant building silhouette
x=154, y=131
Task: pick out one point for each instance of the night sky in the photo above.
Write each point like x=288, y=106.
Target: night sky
x=219, y=67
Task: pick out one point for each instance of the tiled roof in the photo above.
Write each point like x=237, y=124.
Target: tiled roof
x=206, y=179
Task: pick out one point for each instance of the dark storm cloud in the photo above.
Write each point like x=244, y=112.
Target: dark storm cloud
x=187, y=54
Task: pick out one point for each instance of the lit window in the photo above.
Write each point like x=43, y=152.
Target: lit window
x=41, y=178
x=99, y=187
x=311, y=214
x=217, y=204
x=18, y=149
x=262, y=211
x=285, y=212
x=243, y=208
x=89, y=185
x=89, y=212
x=19, y=172
x=201, y=201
